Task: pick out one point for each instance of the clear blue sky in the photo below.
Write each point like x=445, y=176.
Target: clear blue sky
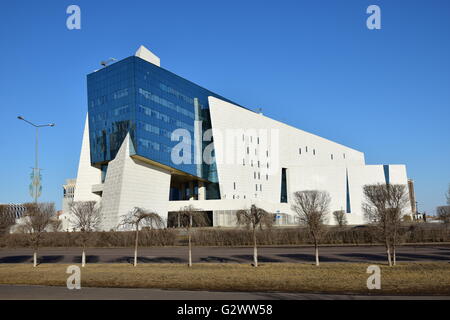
x=311, y=64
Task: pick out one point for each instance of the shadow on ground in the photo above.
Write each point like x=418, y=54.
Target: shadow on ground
x=309, y=257
x=415, y=256
x=363, y=257
x=89, y=259
x=249, y=258
x=218, y=259
x=127, y=259
x=15, y=259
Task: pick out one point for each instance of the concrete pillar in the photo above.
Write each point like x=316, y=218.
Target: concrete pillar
x=201, y=191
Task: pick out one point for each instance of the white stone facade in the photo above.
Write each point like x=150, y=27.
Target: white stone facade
x=311, y=163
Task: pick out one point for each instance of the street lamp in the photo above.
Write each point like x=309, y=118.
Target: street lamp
x=35, y=187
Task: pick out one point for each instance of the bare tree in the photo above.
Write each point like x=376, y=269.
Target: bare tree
x=340, y=217
x=383, y=207
x=86, y=218
x=253, y=218
x=138, y=218
x=311, y=207
x=37, y=219
x=443, y=214
x=190, y=217
x=7, y=219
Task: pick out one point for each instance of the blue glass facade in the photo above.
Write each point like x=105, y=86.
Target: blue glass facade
x=149, y=102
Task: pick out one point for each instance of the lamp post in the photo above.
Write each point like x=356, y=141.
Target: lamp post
x=36, y=178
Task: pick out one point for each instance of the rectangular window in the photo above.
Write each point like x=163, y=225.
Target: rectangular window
x=299, y=150
x=283, y=185
x=234, y=185
x=120, y=94
x=331, y=156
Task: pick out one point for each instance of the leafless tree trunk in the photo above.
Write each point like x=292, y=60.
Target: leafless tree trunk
x=136, y=243
x=137, y=217
x=190, y=242
x=83, y=258
x=388, y=252
x=189, y=218
x=383, y=207
x=255, y=249
x=37, y=219
x=316, y=246
x=253, y=218
x=394, y=257
x=311, y=207
x=86, y=217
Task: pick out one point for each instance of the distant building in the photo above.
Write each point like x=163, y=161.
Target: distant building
x=68, y=194
x=15, y=210
x=68, y=197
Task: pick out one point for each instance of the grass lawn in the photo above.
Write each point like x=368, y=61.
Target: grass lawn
x=405, y=278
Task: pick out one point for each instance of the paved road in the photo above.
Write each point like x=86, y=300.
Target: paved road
x=229, y=255
x=16, y=292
